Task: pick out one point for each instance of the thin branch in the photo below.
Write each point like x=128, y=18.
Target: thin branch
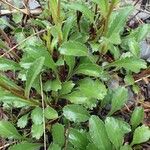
x=36, y=11
x=43, y=113
x=67, y=135
x=6, y=145
x=42, y=31
x=136, y=81
x=14, y=7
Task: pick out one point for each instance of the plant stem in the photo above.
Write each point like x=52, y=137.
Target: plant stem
x=107, y=18
x=43, y=113
x=15, y=93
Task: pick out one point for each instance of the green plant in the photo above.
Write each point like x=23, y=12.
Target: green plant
x=62, y=78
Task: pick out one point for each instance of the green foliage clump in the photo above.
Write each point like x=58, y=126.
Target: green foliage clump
x=62, y=75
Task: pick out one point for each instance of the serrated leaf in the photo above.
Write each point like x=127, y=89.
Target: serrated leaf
x=98, y=133
x=118, y=23
x=134, y=47
x=37, y=116
x=50, y=113
x=119, y=98
x=37, y=131
x=78, y=139
x=66, y=87
x=129, y=80
x=137, y=117
x=25, y=145
x=73, y=48
x=89, y=69
x=76, y=113
x=22, y=122
x=17, y=17
x=82, y=8
x=141, y=135
x=35, y=49
x=103, y=5
x=115, y=130
x=52, y=85
x=54, y=147
x=77, y=97
x=140, y=33
x=32, y=73
x=133, y=64
x=92, y=88
x=7, y=130
x=58, y=134
x=6, y=64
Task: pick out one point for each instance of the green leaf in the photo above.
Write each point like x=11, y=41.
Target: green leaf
x=54, y=147
x=52, y=85
x=58, y=134
x=67, y=27
x=50, y=113
x=73, y=48
x=118, y=23
x=25, y=145
x=89, y=69
x=115, y=130
x=82, y=8
x=66, y=87
x=6, y=96
x=32, y=73
x=126, y=147
x=37, y=131
x=133, y=64
x=103, y=5
x=137, y=117
x=78, y=139
x=98, y=133
x=76, y=113
x=77, y=97
x=119, y=98
x=4, y=80
x=70, y=61
x=35, y=49
x=141, y=135
x=7, y=130
x=140, y=33
x=22, y=122
x=134, y=47
x=53, y=10
x=37, y=115
x=17, y=17
x=91, y=146
x=92, y=89
x=6, y=64
x=129, y=80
